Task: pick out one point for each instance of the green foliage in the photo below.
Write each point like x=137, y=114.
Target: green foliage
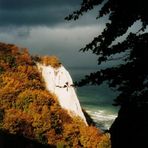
x=42, y=138
x=10, y=60
x=23, y=101
x=1, y=117
x=1, y=70
x=60, y=145
x=105, y=143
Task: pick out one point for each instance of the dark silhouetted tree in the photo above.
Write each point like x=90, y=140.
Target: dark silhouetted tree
x=130, y=78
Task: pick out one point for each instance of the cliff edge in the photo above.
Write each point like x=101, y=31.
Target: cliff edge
x=59, y=82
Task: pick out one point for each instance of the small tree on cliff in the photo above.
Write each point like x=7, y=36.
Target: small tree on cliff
x=131, y=77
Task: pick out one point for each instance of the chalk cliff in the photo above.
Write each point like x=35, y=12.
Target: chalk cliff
x=59, y=82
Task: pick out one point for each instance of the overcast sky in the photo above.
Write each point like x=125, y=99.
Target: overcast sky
x=40, y=26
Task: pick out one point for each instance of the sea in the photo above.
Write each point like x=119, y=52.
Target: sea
x=96, y=100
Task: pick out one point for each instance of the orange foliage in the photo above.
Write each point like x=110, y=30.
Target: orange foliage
x=51, y=60
x=16, y=121
x=32, y=111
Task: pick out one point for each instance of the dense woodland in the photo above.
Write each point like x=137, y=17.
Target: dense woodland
x=31, y=114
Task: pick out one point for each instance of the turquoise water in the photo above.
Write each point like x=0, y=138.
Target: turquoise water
x=96, y=100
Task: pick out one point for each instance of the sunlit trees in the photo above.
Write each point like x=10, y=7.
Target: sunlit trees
x=27, y=109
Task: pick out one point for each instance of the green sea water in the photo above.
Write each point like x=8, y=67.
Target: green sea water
x=96, y=100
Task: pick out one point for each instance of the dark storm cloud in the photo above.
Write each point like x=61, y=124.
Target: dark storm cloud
x=46, y=16
x=35, y=12
x=31, y=4
x=40, y=26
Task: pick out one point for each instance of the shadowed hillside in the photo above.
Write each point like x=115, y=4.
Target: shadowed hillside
x=16, y=141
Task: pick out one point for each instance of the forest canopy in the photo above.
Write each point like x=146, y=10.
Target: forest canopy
x=28, y=110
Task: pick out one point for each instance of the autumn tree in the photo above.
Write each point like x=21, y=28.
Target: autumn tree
x=130, y=77
x=30, y=112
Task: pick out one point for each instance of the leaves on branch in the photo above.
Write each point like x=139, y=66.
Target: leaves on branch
x=129, y=77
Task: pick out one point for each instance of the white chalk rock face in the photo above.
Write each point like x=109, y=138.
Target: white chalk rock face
x=59, y=82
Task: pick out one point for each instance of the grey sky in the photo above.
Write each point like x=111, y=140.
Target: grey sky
x=35, y=12
x=40, y=26
x=24, y=4
x=39, y=12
